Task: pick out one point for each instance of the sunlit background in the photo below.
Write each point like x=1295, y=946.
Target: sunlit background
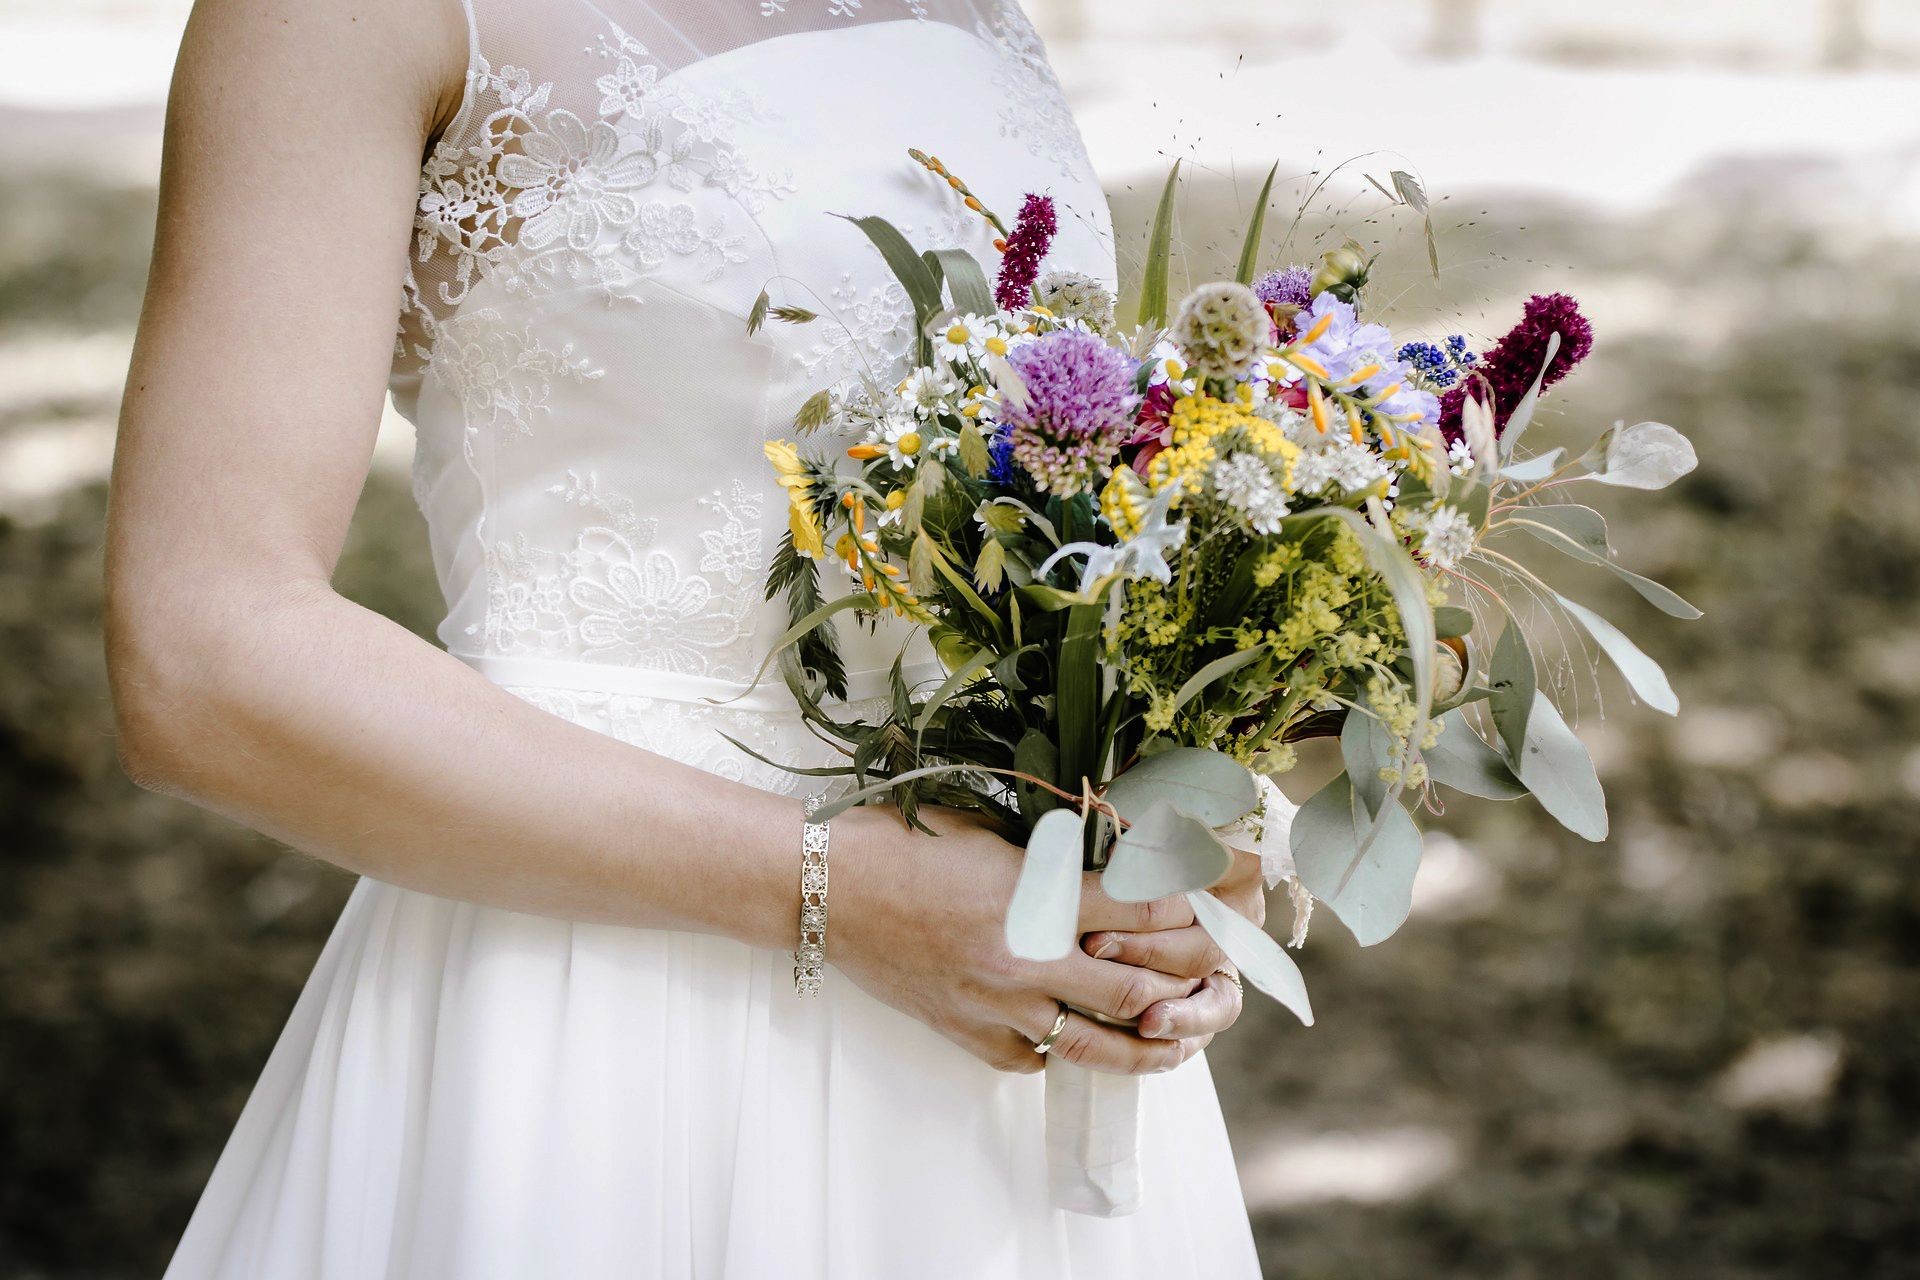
x=1691, y=1052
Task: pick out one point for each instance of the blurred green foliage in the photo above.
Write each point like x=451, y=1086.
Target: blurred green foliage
x=1565, y=1021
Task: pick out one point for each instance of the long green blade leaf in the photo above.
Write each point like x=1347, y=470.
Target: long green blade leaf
x=1153, y=284
x=966, y=281
x=1250, y=251
x=905, y=264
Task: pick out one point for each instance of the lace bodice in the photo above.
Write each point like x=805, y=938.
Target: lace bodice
x=621, y=182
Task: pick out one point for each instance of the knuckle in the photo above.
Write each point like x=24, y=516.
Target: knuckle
x=1077, y=1045
x=1134, y=996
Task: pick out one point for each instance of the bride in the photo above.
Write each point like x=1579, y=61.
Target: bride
x=555, y=1031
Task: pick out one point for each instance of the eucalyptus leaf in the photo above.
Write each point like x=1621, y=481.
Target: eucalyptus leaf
x=1580, y=524
x=1036, y=756
x=1647, y=455
x=1366, y=748
x=1043, y=920
x=1642, y=673
x=1164, y=852
x=1661, y=598
x=1451, y=621
x=1555, y=766
x=1523, y=412
x=1259, y=958
x=1214, y=788
x=1461, y=759
x=1538, y=467
x=1511, y=677
x=1377, y=894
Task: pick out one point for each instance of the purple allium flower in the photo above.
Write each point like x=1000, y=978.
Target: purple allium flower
x=1027, y=243
x=1287, y=287
x=1077, y=411
x=1507, y=372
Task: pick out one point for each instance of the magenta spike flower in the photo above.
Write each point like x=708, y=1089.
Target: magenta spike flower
x=1507, y=372
x=1027, y=243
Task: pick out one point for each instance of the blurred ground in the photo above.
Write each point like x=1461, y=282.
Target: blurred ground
x=1694, y=1051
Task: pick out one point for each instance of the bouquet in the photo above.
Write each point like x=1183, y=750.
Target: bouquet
x=1153, y=558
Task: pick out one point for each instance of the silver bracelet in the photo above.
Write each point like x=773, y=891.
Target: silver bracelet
x=810, y=958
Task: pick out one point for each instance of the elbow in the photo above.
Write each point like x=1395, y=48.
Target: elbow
x=157, y=662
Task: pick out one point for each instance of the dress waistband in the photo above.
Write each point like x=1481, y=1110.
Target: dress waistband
x=771, y=694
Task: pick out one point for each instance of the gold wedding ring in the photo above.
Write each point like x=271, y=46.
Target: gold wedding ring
x=1059, y=1025
x=1234, y=978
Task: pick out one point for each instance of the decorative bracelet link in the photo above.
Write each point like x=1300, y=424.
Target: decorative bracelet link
x=810, y=958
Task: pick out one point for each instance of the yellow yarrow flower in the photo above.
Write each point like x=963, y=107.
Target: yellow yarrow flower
x=1198, y=424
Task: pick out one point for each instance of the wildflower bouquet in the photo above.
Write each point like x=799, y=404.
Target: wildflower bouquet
x=1151, y=559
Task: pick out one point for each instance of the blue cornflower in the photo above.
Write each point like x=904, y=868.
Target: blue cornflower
x=1002, y=470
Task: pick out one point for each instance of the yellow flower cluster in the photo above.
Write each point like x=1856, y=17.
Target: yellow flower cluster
x=1197, y=424
x=809, y=538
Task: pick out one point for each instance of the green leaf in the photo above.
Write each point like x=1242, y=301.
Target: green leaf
x=1043, y=920
x=1366, y=748
x=907, y=266
x=1164, y=852
x=1377, y=894
x=1153, y=284
x=1579, y=524
x=1206, y=785
x=839, y=805
x=1461, y=759
x=1647, y=455
x=1653, y=593
x=1512, y=679
x=1077, y=696
x=1256, y=230
x=1538, y=467
x=794, y=632
x=1218, y=669
x=1523, y=412
x=1642, y=673
x=967, y=282
x=1555, y=766
x=1260, y=960
x=1036, y=755
x=1451, y=621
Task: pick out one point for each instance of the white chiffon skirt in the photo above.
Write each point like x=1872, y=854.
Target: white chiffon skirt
x=465, y=1093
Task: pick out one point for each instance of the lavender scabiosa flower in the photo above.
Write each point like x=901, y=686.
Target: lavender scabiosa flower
x=1220, y=329
x=1287, y=287
x=1076, y=412
x=1027, y=243
x=1508, y=371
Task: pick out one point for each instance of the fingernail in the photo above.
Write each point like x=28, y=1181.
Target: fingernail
x=1153, y=1028
x=1108, y=949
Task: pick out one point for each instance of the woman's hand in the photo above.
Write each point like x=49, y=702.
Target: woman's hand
x=920, y=923
x=1189, y=952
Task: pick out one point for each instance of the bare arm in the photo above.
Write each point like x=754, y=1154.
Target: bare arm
x=243, y=682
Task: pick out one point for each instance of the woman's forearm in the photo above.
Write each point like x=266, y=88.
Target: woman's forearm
x=331, y=728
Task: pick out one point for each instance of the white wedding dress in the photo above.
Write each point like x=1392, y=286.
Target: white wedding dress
x=465, y=1093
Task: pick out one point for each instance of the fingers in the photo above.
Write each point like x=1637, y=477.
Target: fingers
x=1098, y=911
x=1205, y=1013
x=1114, y=1050
x=1188, y=953
x=1120, y=991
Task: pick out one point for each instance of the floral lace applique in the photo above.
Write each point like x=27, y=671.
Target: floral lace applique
x=1033, y=106
x=866, y=331
x=840, y=8
x=612, y=597
x=502, y=376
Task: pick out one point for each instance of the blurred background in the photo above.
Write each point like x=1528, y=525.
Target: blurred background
x=1692, y=1051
